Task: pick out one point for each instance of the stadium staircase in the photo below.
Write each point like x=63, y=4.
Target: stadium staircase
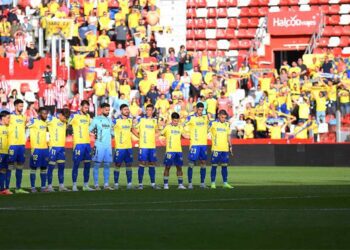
x=233, y=27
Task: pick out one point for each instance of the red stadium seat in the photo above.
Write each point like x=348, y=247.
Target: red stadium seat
x=190, y=44
x=190, y=34
x=232, y=23
x=284, y=9
x=337, y=51
x=293, y=2
x=201, y=45
x=243, y=22
x=211, y=13
x=191, y=3
x=211, y=23
x=190, y=23
x=212, y=45
x=199, y=34
x=323, y=42
x=212, y=53
x=231, y=3
x=222, y=3
x=263, y=11
x=191, y=13
x=263, y=2
x=344, y=41
x=323, y=1
x=334, y=20
x=254, y=11
x=251, y=33
x=200, y=23
x=294, y=8
x=315, y=8
x=222, y=12
x=220, y=33
x=201, y=3
x=328, y=31
x=220, y=53
x=324, y=9
x=334, y=9
x=234, y=44
x=253, y=22
x=244, y=44
x=244, y=12
x=242, y=33
x=338, y=30
x=230, y=34
x=284, y=2
x=346, y=30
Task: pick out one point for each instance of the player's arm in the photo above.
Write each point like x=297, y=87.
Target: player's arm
x=135, y=127
x=92, y=125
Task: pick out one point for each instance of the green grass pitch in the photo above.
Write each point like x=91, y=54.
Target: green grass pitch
x=270, y=208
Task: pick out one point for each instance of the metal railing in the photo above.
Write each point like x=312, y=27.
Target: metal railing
x=316, y=36
x=258, y=39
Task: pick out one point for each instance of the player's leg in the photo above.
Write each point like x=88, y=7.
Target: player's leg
x=178, y=161
x=11, y=162
x=61, y=160
x=2, y=179
x=33, y=167
x=3, y=171
x=96, y=174
x=77, y=158
x=118, y=159
x=214, y=166
x=192, y=159
x=168, y=162
x=43, y=177
x=51, y=167
x=107, y=160
x=128, y=165
x=43, y=157
x=152, y=160
x=20, y=159
x=224, y=170
x=87, y=164
x=203, y=159
x=142, y=164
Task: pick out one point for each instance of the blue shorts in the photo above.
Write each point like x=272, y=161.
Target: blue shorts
x=123, y=155
x=17, y=154
x=57, y=154
x=218, y=157
x=148, y=155
x=4, y=161
x=82, y=152
x=173, y=159
x=39, y=158
x=102, y=154
x=198, y=153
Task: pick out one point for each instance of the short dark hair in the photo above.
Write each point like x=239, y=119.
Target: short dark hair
x=105, y=105
x=65, y=112
x=150, y=106
x=175, y=115
x=123, y=106
x=200, y=105
x=41, y=109
x=222, y=112
x=18, y=101
x=84, y=102
x=4, y=113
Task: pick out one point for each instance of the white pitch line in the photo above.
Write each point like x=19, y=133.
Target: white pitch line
x=178, y=209
x=171, y=202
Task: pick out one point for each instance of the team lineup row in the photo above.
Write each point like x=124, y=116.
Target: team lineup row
x=47, y=153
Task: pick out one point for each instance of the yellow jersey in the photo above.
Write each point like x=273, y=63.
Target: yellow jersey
x=321, y=104
x=304, y=110
x=80, y=124
x=37, y=133
x=88, y=7
x=101, y=8
x=212, y=105
x=260, y=123
x=144, y=50
x=103, y=41
x=344, y=96
x=100, y=88
x=196, y=79
x=147, y=131
x=145, y=86
x=173, y=138
x=248, y=131
x=104, y=22
x=57, y=132
x=133, y=20
x=220, y=134
x=79, y=61
x=17, y=129
x=265, y=84
x=198, y=128
x=275, y=132
x=4, y=142
x=231, y=85
x=122, y=133
x=163, y=105
x=300, y=132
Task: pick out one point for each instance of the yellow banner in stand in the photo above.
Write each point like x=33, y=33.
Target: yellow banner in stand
x=55, y=26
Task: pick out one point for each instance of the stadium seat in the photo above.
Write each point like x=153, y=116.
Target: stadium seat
x=222, y=12
x=323, y=1
x=244, y=12
x=191, y=13
x=324, y=9
x=284, y=2
x=273, y=9
x=253, y=22
x=202, y=12
x=251, y=33
x=221, y=53
x=243, y=22
x=231, y=3
x=328, y=31
x=344, y=41
x=190, y=45
x=191, y=3
x=346, y=31
x=201, y=45
x=323, y=42
x=305, y=7
x=190, y=34
x=223, y=44
x=199, y=34
x=242, y=33
x=263, y=11
x=210, y=34
x=344, y=20
x=201, y=3
x=222, y=3
x=200, y=23
x=293, y=2
x=212, y=3
x=212, y=45
x=233, y=12
x=334, y=20
x=334, y=41
x=263, y=2
x=212, y=13
x=337, y=51
x=243, y=3
x=338, y=30
x=315, y=8
x=211, y=23
x=220, y=33
x=232, y=23
x=234, y=44
x=254, y=11
x=230, y=34
x=244, y=44
x=346, y=51
x=274, y=2
x=190, y=23
x=222, y=23
x=211, y=53
x=344, y=9
x=334, y=9
x=294, y=8
x=232, y=53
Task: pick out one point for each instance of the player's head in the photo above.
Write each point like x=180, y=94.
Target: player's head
x=64, y=115
x=149, y=110
x=5, y=117
x=175, y=117
x=200, y=108
x=105, y=108
x=222, y=115
x=124, y=110
x=18, y=105
x=84, y=106
x=43, y=113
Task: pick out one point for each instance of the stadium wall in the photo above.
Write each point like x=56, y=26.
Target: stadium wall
x=268, y=155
